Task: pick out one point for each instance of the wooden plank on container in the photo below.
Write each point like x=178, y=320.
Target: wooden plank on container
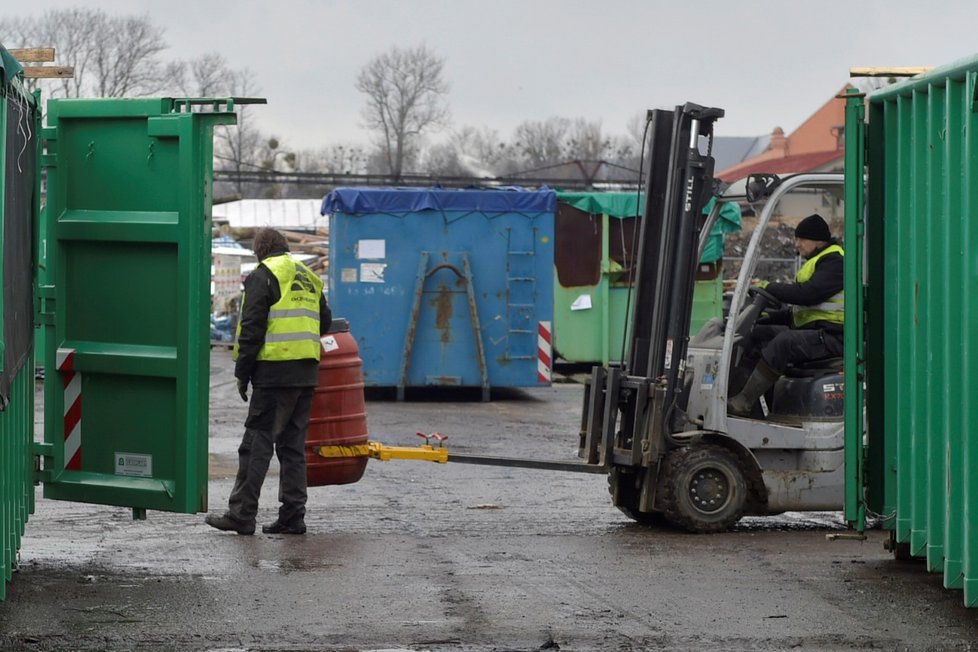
x=49, y=72
x=909, y=71
x=32, y=55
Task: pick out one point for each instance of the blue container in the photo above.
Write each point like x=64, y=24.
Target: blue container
x=445, y=287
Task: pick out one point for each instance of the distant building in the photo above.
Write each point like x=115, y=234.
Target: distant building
x=818, y=145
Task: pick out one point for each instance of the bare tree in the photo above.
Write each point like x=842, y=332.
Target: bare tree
x=209, y=75
x=113, y=56
x=586, y=142
x=334, y=159
x=126, y=57
x=242, y=147
x=468, y=151
x=541, y=144
x=405, y=96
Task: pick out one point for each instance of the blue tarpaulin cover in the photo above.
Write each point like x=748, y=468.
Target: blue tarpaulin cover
x=510, y=199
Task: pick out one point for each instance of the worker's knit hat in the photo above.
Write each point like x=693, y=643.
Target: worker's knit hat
x=813, y=227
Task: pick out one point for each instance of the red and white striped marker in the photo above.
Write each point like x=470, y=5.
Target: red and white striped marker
x=72, y=383
x=544, y=352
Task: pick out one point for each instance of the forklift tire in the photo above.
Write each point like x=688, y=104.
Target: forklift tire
x=705, y=488
x=628, y=496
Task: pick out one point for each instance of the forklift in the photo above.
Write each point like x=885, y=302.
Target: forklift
x=658, y=422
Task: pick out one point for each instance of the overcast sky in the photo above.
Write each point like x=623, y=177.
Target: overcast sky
x=768, y=63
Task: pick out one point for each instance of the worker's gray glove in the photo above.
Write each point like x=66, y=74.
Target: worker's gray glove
x=243, y=389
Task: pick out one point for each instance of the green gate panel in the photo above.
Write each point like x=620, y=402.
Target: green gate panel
x=921, y=315
x=126, y=301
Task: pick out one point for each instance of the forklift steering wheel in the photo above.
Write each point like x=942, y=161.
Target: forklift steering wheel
x=772, y=301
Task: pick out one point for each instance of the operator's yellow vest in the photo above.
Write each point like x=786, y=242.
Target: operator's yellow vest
x=293, y=321
x=832, y=310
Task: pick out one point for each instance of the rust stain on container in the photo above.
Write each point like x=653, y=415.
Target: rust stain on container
x=443, y=313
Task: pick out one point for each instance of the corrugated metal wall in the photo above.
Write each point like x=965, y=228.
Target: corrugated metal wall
x=16, y=470
x=17, y=204
x=922, y=305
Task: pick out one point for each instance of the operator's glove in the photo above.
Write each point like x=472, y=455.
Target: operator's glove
x=761, y=284
x=243, y=388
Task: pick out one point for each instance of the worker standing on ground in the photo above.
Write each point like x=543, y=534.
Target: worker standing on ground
x=812, y=328
x=277, y=348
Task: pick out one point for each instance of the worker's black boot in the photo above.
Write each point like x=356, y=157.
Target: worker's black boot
x=228, y=523
x=278, y=527
x=759, y=382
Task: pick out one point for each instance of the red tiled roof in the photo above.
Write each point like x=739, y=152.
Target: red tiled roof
x=788, y=164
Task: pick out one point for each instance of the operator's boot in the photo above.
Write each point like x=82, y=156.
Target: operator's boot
x=759, y=382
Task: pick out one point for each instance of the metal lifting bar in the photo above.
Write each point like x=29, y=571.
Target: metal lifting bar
x=428, y=453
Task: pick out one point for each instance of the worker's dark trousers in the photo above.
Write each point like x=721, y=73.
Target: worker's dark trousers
x=782, y=346
x=277, y=420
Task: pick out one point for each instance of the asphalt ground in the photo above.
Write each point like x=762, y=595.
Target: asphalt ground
x=423, y=556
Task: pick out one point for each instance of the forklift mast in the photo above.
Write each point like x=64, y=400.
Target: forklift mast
x=679, y=183
x=628, y=409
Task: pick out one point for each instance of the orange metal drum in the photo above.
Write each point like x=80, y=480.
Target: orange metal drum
x=339, y=413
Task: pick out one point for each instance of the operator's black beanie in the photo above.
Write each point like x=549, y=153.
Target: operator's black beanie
x=813, y=227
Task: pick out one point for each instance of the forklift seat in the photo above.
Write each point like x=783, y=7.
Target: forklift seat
x=816, y=367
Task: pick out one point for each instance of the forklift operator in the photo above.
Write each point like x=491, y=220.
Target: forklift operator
x=811, y=329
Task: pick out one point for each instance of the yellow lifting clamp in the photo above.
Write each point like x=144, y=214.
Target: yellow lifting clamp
x=378, y=451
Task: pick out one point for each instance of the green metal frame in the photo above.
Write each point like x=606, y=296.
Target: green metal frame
x=854, y=355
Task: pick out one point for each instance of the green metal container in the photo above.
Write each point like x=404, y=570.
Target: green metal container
x=19, y=192
x=921, y=317
x=593, y=239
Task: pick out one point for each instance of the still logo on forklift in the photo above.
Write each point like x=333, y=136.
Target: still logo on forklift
x=689, y=194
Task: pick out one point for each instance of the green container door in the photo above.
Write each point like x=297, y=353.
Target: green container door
x=126, y=306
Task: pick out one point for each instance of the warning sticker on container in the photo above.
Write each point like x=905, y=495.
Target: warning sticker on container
x=133, y=464
x=372, y=272
x=329, y=343
x=348, y=275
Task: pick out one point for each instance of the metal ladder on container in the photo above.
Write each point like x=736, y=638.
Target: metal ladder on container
x=519, y=276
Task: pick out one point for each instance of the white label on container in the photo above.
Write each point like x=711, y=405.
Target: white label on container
x=582, y=302
x=348, y=275
x=134, y=464
x=372, y=272
x=371, y=249
x=329, y=343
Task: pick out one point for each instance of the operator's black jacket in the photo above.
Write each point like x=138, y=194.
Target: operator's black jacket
x=261, y=292
x=827, y=280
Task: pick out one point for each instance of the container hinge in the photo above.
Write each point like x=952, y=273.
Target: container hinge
x=41, y=452
x=45, y=304
x=50, y=159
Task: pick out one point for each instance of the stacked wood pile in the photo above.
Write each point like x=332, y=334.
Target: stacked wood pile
x=316, y=244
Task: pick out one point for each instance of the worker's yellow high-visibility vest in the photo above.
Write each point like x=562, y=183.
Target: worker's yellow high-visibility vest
x=293, y=320
x=832, y=310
